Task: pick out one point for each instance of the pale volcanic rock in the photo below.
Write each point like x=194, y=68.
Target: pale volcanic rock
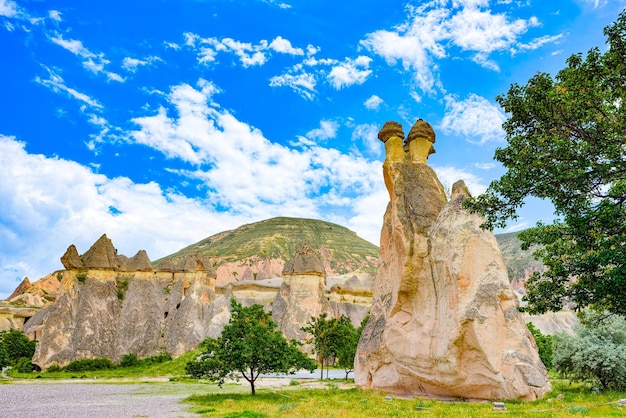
x=21, y=288
x=138, y=262
x=101, y=255
x=302, y=295
x=71, y=260
x=107, y=312
x=444, y=320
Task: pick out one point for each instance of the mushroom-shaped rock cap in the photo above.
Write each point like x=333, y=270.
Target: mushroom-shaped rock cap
x=305, y=261
x=421, y=129
x=390, y=129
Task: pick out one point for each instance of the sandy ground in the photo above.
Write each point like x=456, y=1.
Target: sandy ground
x=153, y=397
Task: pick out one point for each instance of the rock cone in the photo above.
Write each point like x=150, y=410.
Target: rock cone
x=444, y=320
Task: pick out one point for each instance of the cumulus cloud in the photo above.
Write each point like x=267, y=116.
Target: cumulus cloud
x=373, y=102
x=280, y=44
x=449, y=175
x=350, y=72
x=39, y=219
x=475, y=118
x=368, y=135
x=435, y=27
x=271, y=179
x=327, y=129
x=8, y=8
x=302, y=83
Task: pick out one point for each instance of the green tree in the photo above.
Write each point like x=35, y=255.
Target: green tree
x=16, y=345
x=322, y=328
x=249, y=345
x=596, y=351
x=565, y=142
x=346, y=340
x=545, y=345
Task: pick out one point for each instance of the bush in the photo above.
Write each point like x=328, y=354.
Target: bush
x=14, y=345
x=89, y=364
x=129, y=360
x=54, y=368
x=161, y=358
x=545, y=345
x=597, y=351
x=24, y=365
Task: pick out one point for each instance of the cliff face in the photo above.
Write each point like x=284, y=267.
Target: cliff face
x=107, y=310
x=444, y=320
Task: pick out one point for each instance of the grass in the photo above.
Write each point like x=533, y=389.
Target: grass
x=175, y=369
x=577, y=401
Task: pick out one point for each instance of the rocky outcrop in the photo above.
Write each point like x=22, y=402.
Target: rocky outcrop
x=302, y=295
x=71, y=260
x=21, y=288
x=112, y=310
x=444, y=320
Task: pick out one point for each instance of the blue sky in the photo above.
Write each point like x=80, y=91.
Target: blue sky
x=160, y=123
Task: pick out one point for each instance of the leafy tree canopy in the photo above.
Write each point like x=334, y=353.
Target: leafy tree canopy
x=597, y=351
x=14, y=345
x=249, y=345
x=566, y=142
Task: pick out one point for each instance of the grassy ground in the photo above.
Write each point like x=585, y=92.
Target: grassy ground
x=336, y=398
x=331, y=401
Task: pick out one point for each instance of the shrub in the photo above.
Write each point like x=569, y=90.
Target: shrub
x=545, y=345
x=24, y=365
x=81, y=277
x=129, y=360
x=54, y=368
x=161, y=358
x=89, y=364
x=14, y=345
x=597, y=351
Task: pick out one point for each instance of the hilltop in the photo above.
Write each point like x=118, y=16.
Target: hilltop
x=259, y=250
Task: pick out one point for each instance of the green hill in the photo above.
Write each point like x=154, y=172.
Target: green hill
x=279, y=238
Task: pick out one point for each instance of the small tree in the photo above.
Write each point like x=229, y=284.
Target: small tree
x=322, y=328
x=249, y=345
x=545, y=345
x=597, y=351
x=16, y=345
x=345, y=341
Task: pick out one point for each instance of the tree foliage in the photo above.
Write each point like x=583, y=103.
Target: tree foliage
x=249, y=345
x=334, y=340
x=545, y=344
x=14, y=345
x=565, y=142
x=597, y=351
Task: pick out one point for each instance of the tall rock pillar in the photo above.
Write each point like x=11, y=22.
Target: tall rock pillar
x=444, y=320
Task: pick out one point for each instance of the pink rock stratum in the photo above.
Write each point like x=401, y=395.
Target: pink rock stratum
x=444, y=320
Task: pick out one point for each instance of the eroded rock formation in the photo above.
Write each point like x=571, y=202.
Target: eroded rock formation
x=110, y=305
x=302, y=295
x=444, y=320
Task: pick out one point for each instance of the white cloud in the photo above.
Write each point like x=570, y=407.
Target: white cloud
x=39, y=219
x=207, y=49
x=91, y=61
x=8, y=8
x=271, y=179
x=485, y=166
x=280, y=44
x=303, y=83
x=434, y=27
x=373, y=102
x=327, y=130
x=539, y=42
x=131, y=64
x=350, y=72
x=475, y=118
x=449, y=175
x=56, y=83
x=55, y=15
x=368, y=134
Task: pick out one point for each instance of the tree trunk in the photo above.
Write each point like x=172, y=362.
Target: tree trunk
x=252, y=387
